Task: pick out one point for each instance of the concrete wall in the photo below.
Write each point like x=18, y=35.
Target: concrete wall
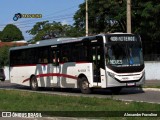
x=152, y=70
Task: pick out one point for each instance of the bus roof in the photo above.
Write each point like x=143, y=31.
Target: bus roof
x=54, y=41
x=57, y=41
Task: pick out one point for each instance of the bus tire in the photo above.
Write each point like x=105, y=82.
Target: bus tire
x=34, y=83
x=84, y=85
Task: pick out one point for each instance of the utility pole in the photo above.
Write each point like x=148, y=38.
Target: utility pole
x=86, y=17
x=128, y=16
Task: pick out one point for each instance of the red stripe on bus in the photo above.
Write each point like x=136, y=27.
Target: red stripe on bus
x=52, y=74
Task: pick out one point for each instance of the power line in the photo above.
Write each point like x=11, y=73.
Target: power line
x=49, y=16
x=27, y=25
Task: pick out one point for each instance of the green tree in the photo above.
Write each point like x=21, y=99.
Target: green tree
x=0, y=35
x=47, y=30
x=4, y=53
x=145, y=19
x=72, y=31
x=110, y=16
x=11, y=33
x=104, y=16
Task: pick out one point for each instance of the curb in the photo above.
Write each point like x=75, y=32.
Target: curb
x=151, y=89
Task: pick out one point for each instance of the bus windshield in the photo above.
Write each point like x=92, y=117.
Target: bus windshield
x=124, y=54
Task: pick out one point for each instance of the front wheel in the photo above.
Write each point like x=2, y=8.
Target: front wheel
x=34, y=83
x=84, y=85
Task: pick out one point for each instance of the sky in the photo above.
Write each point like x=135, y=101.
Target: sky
x=52, y=10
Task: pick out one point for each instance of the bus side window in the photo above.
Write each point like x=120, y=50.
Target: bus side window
x=45, y=60
x=66, y=53
x=55, y=57
x=65, y=59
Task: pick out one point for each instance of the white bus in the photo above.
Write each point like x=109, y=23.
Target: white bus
x=102, y=61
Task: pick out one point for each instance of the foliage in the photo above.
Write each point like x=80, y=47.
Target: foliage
x=12, y=100
x=73, y=32
x=11, y=33
x=145, y=19
x=4, y=56
x=110, y=16
x=104, y=16
x=47, y=30
x=0, y=35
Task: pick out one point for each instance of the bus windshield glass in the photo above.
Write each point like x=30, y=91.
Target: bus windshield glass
x=124, y=54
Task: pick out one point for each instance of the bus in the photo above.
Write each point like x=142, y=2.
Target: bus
x=113, y=60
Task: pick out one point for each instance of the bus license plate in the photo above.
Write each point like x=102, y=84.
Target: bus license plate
x=130, y=84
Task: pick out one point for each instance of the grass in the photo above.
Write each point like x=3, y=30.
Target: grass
x=11, y=100
x=20, y=100
x=151, y=86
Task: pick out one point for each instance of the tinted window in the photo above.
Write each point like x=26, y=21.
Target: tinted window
x=30, y=56
x=74, y=52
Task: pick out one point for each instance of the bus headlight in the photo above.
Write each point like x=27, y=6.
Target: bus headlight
x=111, y=74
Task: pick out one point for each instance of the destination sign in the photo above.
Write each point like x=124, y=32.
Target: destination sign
x=123, y=38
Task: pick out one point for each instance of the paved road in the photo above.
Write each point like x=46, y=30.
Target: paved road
x=127, y=94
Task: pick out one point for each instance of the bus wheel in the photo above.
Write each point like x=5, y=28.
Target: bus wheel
x=84, y=85
x=34, y=83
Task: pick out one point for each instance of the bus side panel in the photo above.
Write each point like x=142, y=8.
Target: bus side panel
x=103, y=83
x=54, y=78
x=20, y=75
x=43, y=77
x=47, y=75
x=70, y=72
x=51, y=76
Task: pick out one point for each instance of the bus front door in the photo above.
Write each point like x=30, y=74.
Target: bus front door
x=96, y=59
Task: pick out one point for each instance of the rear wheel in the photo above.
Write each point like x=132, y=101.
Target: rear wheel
x=34, y=83
x=84, y=85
